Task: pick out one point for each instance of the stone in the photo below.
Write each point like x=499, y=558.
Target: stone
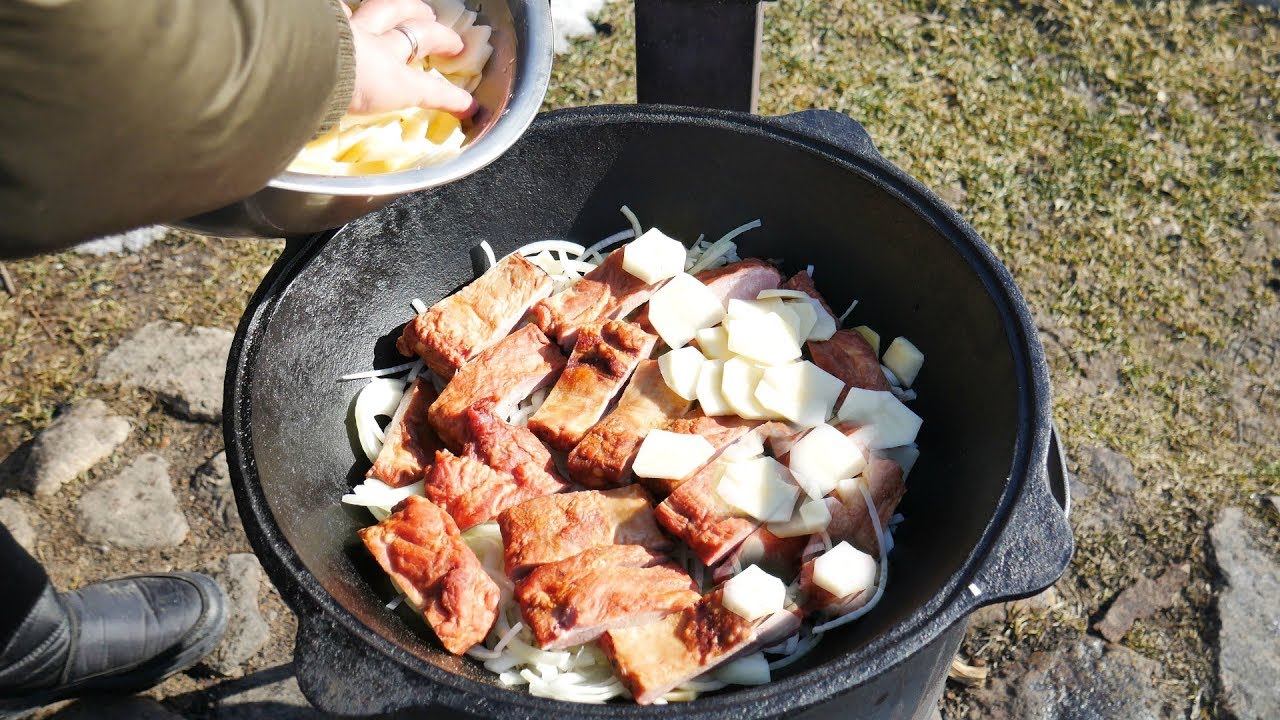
x=1081, y=679
x=1275, y=502
x=241, y=578
x=14, y=518
x=184, y=366
x=212, y=484
x=1141, y=600
x=278, y=699
x=1103, y=488
x=115, y=708
x=1000, y=612
x=135, y=509
x=83, y=436
x=132, y=241
x=1249, y=615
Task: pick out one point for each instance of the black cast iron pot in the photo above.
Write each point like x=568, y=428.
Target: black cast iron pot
x=985, y=506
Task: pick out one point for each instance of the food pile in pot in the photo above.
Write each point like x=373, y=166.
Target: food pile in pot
x=636, y=469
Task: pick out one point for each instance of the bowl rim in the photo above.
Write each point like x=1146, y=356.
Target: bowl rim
x=531, y=76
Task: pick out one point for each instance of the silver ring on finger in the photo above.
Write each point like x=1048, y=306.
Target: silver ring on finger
x=413, y=41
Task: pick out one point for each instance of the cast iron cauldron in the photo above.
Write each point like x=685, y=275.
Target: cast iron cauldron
x=985, y=506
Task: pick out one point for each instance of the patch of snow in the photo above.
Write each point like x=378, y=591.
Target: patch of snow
x=131, y=241
x=572, y=19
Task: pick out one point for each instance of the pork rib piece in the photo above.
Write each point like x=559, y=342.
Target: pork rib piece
x=607, y=293
x=555, y=527
x=411, y=443
x=696, y=513
x=461, y=326
x=742, y=280
x=502, y=466
x=603, y=359
x=420, y=547
x=780, y=557
x=815, y=600
x=652, y=659
x=505, y=374
x=603, y=457
x=851, y=520
x=575, y=600
x=847, y=355
x=721, y=432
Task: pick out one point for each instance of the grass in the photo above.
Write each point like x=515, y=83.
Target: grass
x=1121, y=157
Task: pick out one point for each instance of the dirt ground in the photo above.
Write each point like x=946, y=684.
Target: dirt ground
x=1122, y=158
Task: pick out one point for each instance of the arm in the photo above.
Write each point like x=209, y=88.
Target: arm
x=119, y=113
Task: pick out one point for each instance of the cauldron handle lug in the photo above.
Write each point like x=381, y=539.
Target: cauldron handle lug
x=836, y=128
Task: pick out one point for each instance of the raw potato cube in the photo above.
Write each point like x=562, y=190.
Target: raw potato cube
x=682, y=307
x=653, y=256
x=759, y=488
x=822, y=458
x=767, y=338
x=905, y=456
x=844, y=570
x=885, y=421
x=714, y=342
x=747, y=447
x=904, y=359
x=710, y=398
x=800, y=392
x=825, y=326
x=812, y=516
x=680, y=368
x=671, y=455
x=871, y=336
x=754, y=593
x=806, y=318
x=738, y=386
x=750, y=669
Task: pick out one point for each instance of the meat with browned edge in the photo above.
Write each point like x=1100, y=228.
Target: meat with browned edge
x=850, y=520
x=602, y=361
x=607, y=293
x=780, y=557
x=420, y=547
x=575, y=600
x=463, y=325
x=652, y=659
x=556, y=527
x=603, y=457
x=410, y=443
x=505, y=374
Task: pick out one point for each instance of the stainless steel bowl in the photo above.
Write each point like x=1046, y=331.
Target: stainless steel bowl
x=510, y=94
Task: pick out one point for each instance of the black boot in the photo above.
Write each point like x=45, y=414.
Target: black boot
x=121, y=635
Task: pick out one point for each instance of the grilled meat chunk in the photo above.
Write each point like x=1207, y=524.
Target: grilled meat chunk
x=652, y=659
x=420, y=547
x=603, y=457
x=556, y=527
x=575, y=600
x=777, y=556
x=505, y=374
x=461, y=326
x=850, y=519
x=607, y=293
x=602, y=361
x=411, y=443
x=721, y=432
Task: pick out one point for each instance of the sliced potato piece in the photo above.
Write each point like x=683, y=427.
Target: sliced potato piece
x=904, y=359
x=680, y=369
x=812, y=516
x=885, y=421
x=714, y=342
x=767, y=338
x=671, y=456
x=871, y=336
x=800, y=392
x=822, y=458
x=710, y=398
x=844, y=570
x=738, y=386
x=682, y=307
x=754, y=593
x=759, y=488
x=653, y=256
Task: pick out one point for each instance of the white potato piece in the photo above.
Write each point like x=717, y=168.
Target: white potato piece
x=671, y=455
x=768, y=338
x=475, y=52
x=905, y=456
x=653, y=256
x=871, y=336
x=754, y=593
x=710, y=398
x=904, y=359
x=680, y=369
x=806, y=318
x=824, y=326
x=822, y=458
x=844, y=570
x=783, y=294
x=750, y=669
x=885, y=421
x=800, y=392
x=747, y=447
x=812, y=516
x=682, y=307
x=738, y=386
x=759, y=488
x=714, y=342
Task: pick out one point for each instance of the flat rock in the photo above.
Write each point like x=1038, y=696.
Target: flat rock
x=184, y=366
x=1103, y=488
x=241, y=578
x=1082, y=679
x=83, y=436
x=14, y=518
x=135, y=509
x=1141, y=600
x=1000, y=612
x=212, y=484
x=115, y=708
x=1249, y=613
x=277, y=699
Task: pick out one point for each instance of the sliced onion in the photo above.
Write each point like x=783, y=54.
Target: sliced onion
x=380, y=397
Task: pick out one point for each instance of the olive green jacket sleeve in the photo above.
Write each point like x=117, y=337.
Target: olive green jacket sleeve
x=119, y=113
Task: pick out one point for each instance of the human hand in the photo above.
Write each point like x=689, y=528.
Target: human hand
x=384, y=79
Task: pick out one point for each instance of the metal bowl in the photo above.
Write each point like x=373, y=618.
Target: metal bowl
x=510, y=94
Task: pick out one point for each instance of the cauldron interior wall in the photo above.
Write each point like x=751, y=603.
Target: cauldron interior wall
x=567, y=181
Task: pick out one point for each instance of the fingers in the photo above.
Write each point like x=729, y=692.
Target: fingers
x=379, y=16
x=433, y=38
x=436, y=93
